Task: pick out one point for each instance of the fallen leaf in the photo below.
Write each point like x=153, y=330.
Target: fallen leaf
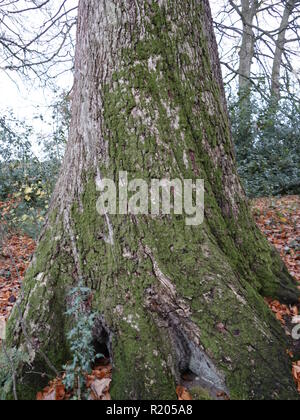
x=183, y=394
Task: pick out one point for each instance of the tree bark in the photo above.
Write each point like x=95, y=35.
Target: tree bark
x=279, y=51
x=248, y=13
x=171, y=299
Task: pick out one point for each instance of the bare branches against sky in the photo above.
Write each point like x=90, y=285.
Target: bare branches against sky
x=37, y=37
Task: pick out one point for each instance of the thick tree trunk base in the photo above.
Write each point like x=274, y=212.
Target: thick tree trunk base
x=173, y=307
x=174, y=300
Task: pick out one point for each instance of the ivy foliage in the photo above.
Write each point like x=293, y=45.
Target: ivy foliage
x=28, y=180
x=267, y=140
x=8, y=360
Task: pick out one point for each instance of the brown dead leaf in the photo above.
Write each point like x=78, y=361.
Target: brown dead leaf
x=60, y=392
x=183, y=394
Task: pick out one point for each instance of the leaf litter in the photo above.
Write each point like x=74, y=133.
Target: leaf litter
x=97, y=384
x=279, y=221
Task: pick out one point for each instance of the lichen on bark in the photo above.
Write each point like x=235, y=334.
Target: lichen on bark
x=148, y=99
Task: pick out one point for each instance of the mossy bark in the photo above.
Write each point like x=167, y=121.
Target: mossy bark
x=174, y=299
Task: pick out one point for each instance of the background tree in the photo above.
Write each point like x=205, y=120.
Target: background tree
x=170, y=299
x=280, y=50
x=259, y=44
x=259, y=40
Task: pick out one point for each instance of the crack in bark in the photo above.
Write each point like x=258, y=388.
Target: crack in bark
x=174, y=314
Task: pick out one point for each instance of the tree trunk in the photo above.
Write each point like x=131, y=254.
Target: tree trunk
x=248, y=13
x=245, y=138
x=280, y=45
x=172, y=299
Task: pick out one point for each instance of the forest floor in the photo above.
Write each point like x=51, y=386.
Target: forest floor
x=278, y=219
